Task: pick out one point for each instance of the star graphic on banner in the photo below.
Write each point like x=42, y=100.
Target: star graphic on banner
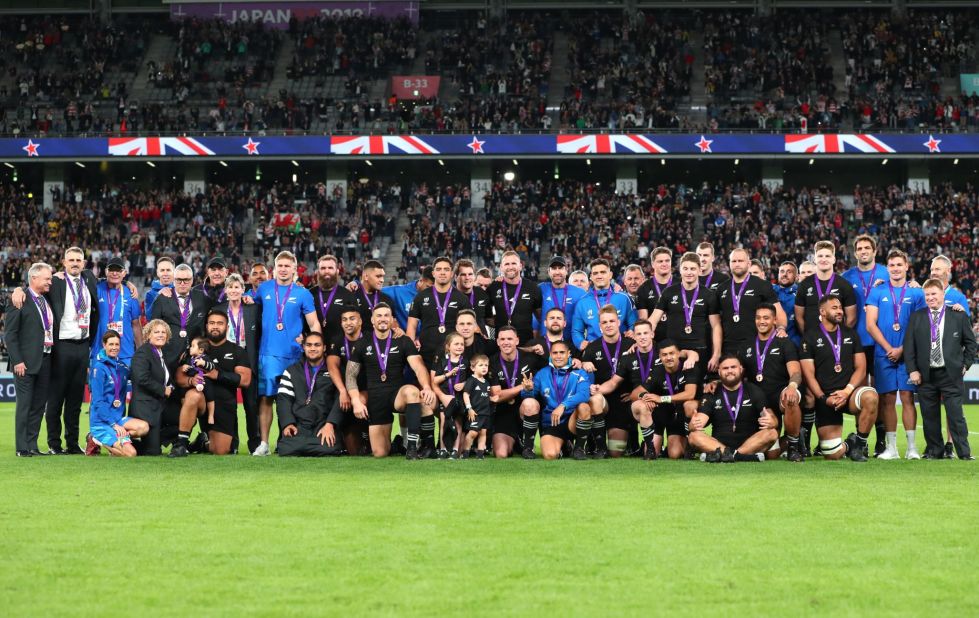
x=932, y=144
x=476, y=146
x=31, y=149
x=251, y=147
x=704, y=144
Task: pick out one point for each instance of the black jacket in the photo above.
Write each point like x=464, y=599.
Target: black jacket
x=149, y=391
x=58, y=293
x=252, y=324
x=291, y=403
x=168, y=310
x=24, y=332
x=958, y=344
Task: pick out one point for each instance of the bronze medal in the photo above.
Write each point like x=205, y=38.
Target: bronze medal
x=441, y=328
x=688, y=329
x=183, y=334
x=759, y=378
x=897, y=327
x=280, y=326
x=838, y=368
x=116, y=403
x=384, y=377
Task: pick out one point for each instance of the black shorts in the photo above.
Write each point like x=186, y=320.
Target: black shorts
x=827, y=416
x=454, y=409
x=773, y=399
x=619, y=414
x=507, y=421
x=869, y=352
x=731, y=439
x=350, y=423
x=380, y=406
x=225, y=418
x=562, y=431
x=669, y=418
x=482, y=421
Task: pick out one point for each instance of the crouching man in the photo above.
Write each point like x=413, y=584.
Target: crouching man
x=304, y=400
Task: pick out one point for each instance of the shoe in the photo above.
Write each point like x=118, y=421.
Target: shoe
x=912, y=454
x=92, y=449
x=649, y=453
x=37, y=453
x=928, y=455
x=749, y=458
x=57, y=450
x=949, y=451
x=24, y=454
x=262, y=450
x=74, y=450
x=411, y=452
x=727, y=456
x=465, y=455
x=200, y=444
x=967, y=458
x=795, y=454
x=714, y=456
x=480, y=454
x=889, y=453
x=179, y=451
x=398, y=445
x=528, y=453
x=443, y=453
x=880, y=447
x=600, y=453
x=454, y=454
x=578, y=454
x=427, y=452
x=854, y=450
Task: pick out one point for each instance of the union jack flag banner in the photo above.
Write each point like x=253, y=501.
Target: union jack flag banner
x=156, y=146
x=379, y=144
x=606, y=144
x=859, y=142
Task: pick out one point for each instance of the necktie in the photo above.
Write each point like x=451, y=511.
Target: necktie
x=937, y=359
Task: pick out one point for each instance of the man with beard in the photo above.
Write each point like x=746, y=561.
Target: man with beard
x=554, y=330
x=183, y=310
x=648, y=296
x=213, y=285
x=743, y=427
x=384, y=358
x=329, y=297
x=435, y=310
x=786, y=290
x=659, y=404
x=229, y=371
x=772, y=362
x=824, y=282
x=557, y=293
x=516, y=301
x=465, y=280
x=585, y=326
x=304, y=401
x=506, y=369
x=709, y=278
x=601, y=359
x=834, y=366
x=355, y=431
x=738, y=300
x=164, y=279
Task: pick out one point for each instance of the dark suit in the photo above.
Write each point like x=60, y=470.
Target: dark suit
x=168, y=310
x=69, y=364
x=252, y=326
x=958, y=352
x=149, y=395
x=25, y=344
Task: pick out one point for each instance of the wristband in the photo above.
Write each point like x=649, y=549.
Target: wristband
x=850, y=388
x=666, y=399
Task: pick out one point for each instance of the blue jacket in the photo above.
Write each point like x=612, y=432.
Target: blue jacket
x=576, y=393
x=403, y=295
x=786, y=297
x=100, y=383
x=570, y=294
x=953, y=296
x=584, y=326
x=151, y=295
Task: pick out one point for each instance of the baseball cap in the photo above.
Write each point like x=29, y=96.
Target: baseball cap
x=557, y=260
x=115, y=263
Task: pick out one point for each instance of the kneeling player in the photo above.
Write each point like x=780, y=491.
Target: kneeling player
x=567, y=416
x=601, y=359
x=833, y=363
x=384, y=358
x=743, y=427
x=659, y=403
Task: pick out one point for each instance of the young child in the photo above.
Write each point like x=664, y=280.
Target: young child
x=479, y=411
x=198, y=366
x=448, y=377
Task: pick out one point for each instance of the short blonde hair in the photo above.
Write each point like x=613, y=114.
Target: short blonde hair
x=153, y=324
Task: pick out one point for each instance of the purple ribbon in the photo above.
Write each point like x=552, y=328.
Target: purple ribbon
x=311, y=379
x=346, y=345
x=280, y=307
x=370, y=302
x=116, y=378
x=935, y=323
x=511, y=379
x=206, y=293
x=644, y=370
x=760, y=353
x=594, y=293
x=453, y=380
x=382, y=359
x=237, y=325
x=734, y=410
x=708, y=279
x=184, y=312
x=659, y=290
x=506, y=300
x=564, y=298
x=42, y=306
x=736, y=295
x=829, y=286
x=897, y=301
x=443, y=307
x=112, y=305
x=668, y=381
x=329, y=301
x=689, y=307
x=78, y=296
x=835, y=347
x=867, y=284
x=472, y=297
x=613, y=361
x=559, y=393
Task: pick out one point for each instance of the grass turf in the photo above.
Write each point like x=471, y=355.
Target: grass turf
x=242, y=535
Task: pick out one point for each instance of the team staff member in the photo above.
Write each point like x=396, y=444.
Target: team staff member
x=743, y=427
x=368, y=293
x=244, y=322
x=939, y=348
x=601, y=359
x=772, y=362
x=164, y=279
x=304, y=402
x=825, y=282
x=152, y=384
x=286, y=309
x=435, y=310
x=692, y=312
x=329, y=297
x=632, y=279
x=109, y=384
x=465, y=281
x=355, y=431
x=557, y=293
x=650, y=292
x=183, y=310
x=230, y=370
x=585, y=326
x=506, y=369
x=29, y=333
x=74, y=313
x=888, y=309
x=834, y=366
x=213, y=285
x=738, y=301
x=515, y=301
x=659, y=405
x=118, y=310
x=560, y=393
x=384, y=358
x=709, y=278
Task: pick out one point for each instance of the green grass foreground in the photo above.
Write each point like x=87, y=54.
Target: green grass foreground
x=247, y=536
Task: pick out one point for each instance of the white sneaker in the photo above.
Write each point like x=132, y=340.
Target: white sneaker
x=912, y=454
x=262, y=450
x=889, y=453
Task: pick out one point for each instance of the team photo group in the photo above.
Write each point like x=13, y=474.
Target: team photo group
x=671, y=359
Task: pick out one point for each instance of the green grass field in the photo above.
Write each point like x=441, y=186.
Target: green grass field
x=246, y=536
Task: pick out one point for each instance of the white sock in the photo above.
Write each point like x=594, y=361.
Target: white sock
x=910, y=434
x=890, y=439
